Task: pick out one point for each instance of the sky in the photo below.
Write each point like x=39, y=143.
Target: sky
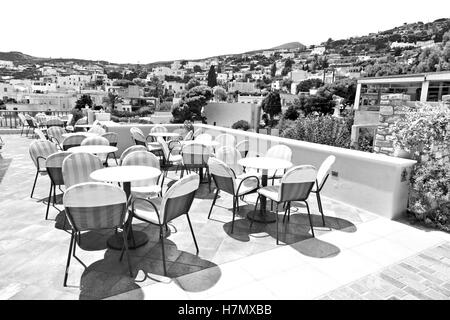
x=145, y=31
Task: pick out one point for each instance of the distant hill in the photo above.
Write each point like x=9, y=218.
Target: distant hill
x=290, y=45
x=16, y=56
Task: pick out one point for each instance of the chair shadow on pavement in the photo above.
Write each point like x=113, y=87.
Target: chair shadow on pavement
x=110, y=276
x=295, y=231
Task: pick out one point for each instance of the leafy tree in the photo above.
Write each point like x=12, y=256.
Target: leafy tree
x=305, y=85
x=272, y=105
x=115, y=75
x=212, y=77
x=197, y=68
x=112, y=99
x=345, y=88
x=191, y=104
x=123, y=83
x=219, y=93
x=84, y=100
x=192, y=83
x=291, y=113
x=241, y=125
x=273, y=70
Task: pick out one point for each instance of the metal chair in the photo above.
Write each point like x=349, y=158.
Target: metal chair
x=23, y=122
x=32, y=124
x=113, y=139
x=95, y=206
x=97, y=141
x=53, y=165
x=73, y=141
x=322, y=176
x=39, y=151
x=195, y=157
x=150, y=187
x=243, y=147
x=225, y=180
x=175, y=202
x=170, y=161
x=39, y=134
x=128, y=150
x=296, y=185
x=77, y=168
x=197, y=133
x=55, y=134
x=158, y=128
x=54, y=123
x=226, y=140
x=279, y=151
x=139, y=139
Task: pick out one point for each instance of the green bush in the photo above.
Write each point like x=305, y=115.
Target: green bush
x=321, y=129
x=291, y=113
x=425, y=135
x=241, y=125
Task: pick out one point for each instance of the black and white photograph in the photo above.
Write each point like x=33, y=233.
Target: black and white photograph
x=224, y=156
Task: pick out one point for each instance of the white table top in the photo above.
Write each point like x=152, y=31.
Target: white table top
x=86, y=134
x=265, y=163
x=125, y=173
x=164, y=134
x=93, y=149
x=84, y=125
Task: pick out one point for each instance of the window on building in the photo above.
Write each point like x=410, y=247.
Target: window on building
x=437, y=89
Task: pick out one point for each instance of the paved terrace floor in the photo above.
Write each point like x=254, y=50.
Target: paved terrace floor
x=358, y=255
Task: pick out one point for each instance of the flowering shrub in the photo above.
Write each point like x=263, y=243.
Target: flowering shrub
x=425, y=134
x=327, y=130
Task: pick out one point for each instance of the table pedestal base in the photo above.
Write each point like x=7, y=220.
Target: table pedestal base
x=262, y=216
x=116, y=241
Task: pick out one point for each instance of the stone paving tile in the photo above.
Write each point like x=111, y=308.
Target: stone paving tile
x=405, y=280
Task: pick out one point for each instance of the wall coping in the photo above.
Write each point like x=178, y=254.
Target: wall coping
x=342, y=152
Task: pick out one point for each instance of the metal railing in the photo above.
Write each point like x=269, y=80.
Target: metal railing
x=10, y=118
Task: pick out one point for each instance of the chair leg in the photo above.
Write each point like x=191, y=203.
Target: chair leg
x=48, y=201
x=256, y=207
x=276, y=213
x=319, y=203
x=310, y=221
x=54, y=196
x=234, y=213
x=192, y=231
x=34, y=184
x=162, y=250
x=213, y=203
x=125, y=244
x=66, y=274
x=237, y=204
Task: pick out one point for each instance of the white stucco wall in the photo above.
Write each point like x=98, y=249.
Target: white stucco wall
x=225, y=114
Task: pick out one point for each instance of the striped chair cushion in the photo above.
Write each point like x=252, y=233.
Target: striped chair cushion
x=73, y=141
x=95, y=141
x=95, y=205
x=142, y=158
x=195, y=154
x=131, y=149
x=56, y=132
x=112, y=137
x=78, y=166
x=41, y=148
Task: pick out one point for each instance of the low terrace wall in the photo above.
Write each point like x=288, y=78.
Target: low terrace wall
x=373, y=182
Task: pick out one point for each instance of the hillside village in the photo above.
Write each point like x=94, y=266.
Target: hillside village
x=56, y=84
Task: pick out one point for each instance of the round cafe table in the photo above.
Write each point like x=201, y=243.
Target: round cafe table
x=86, y=134
x=264, y=164
x=95, y=149
x=126, y=175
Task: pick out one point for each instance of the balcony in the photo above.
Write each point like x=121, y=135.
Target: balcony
x=361, y=253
